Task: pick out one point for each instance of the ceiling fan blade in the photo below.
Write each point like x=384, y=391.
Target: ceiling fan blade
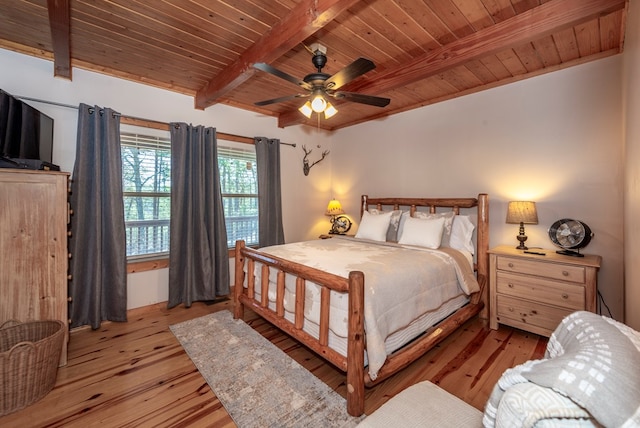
x=281, y=99
x=362, y=99
x=281, y=74
x=350, y=72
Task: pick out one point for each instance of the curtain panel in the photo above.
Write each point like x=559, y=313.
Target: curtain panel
x=98, y=265
x=271, y=231
x=198, y=254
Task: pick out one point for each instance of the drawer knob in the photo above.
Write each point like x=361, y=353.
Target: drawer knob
x=510, y=309
x=565, y=296
x=510, y=264
x=510, y=285
x=565, y=273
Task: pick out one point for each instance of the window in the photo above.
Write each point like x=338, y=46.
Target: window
x=239, y=184
x=146, y=179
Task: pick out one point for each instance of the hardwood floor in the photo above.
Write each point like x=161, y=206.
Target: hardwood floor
x=136, y=374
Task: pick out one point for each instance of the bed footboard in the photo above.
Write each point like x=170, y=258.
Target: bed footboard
x=244, y=294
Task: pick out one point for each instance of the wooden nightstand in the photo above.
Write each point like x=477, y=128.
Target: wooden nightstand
x=534, y=292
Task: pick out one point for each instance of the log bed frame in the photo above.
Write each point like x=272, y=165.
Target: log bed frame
x=353, y=363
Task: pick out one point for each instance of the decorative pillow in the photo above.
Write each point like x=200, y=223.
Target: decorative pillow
x=394, y=223
x=374, y=227
x=423, y=232
x=462, y=234
x=448, y=220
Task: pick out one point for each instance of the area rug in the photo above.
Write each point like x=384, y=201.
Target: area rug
x=256, y=382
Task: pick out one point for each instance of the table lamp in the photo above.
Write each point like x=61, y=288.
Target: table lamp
x=334, y=209
x=521, y=212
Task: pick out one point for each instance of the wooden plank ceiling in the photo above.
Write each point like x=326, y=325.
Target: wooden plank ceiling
x=425, y=51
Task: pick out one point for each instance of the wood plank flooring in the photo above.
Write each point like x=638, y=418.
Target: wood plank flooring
x=136, y=374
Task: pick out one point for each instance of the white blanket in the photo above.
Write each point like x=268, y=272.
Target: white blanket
x=401, y=284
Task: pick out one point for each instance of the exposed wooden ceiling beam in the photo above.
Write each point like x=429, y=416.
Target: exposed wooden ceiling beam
x=306, y=18
x=60, y=23
x=533, y=24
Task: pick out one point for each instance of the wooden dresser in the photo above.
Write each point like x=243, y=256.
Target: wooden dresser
x=534, y=292
x=33, y=242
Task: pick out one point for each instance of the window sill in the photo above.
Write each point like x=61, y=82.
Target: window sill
x=145, y=265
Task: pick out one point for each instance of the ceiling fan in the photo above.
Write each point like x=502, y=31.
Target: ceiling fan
x=320, y=86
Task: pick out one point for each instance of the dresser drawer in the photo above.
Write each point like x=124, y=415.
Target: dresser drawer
x=539, y=268
x=526, y=314
x=565, y=295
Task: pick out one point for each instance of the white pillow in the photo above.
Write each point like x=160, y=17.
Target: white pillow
x=422, y=232
x=448, y=222
x=394, y=223
x=446, y=231
x=462, y=234
x=374, y=227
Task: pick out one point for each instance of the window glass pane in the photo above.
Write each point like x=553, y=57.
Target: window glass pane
x=238, y=171
x=239, y=184
x=241, y=217
x=146, y=178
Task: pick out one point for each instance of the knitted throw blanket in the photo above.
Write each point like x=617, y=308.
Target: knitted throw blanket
x=592, y=360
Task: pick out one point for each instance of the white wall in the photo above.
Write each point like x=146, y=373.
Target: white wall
x=555, y=139
x=632, y=168
x=304, y=199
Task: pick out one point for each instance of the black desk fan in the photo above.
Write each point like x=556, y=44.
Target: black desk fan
x=570, y=235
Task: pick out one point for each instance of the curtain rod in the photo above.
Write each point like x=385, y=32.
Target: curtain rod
x=133, y=120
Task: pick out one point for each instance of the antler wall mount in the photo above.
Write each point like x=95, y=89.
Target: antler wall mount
x=306, y=167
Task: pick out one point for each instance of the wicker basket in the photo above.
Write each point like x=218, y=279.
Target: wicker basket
x=29, y=357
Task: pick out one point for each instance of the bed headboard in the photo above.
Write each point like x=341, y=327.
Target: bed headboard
x=480, y=203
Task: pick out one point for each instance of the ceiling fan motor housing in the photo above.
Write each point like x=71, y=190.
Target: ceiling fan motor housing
x=319, y=60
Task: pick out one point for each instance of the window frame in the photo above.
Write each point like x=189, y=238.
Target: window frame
x=142, y=126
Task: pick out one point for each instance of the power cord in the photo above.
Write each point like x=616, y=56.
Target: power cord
x=602, y=302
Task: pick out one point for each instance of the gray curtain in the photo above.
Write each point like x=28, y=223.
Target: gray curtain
x=270, y=227
x=98, y=263
x=199, y=258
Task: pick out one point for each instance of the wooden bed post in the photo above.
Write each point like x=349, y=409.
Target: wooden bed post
x=483, y=246
x=364, y=206
x=355, y=346
x=238, y=307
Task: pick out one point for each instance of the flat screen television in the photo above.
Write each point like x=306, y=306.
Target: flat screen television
x=25, y=132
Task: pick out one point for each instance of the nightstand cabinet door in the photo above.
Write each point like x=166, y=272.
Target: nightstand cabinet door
x=534, y=292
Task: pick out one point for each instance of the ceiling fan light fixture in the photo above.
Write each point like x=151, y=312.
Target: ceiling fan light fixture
x=330, y=111
x=306, y=109
x=318, y=104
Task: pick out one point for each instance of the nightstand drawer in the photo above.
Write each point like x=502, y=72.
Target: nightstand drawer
x=528, y=315
x=539, y=268
x=565, y=295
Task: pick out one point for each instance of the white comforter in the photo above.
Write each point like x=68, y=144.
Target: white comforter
x=401, y=284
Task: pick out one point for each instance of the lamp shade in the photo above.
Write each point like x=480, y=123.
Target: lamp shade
x=334, y=208
x=522, y=212
x=306, y=109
